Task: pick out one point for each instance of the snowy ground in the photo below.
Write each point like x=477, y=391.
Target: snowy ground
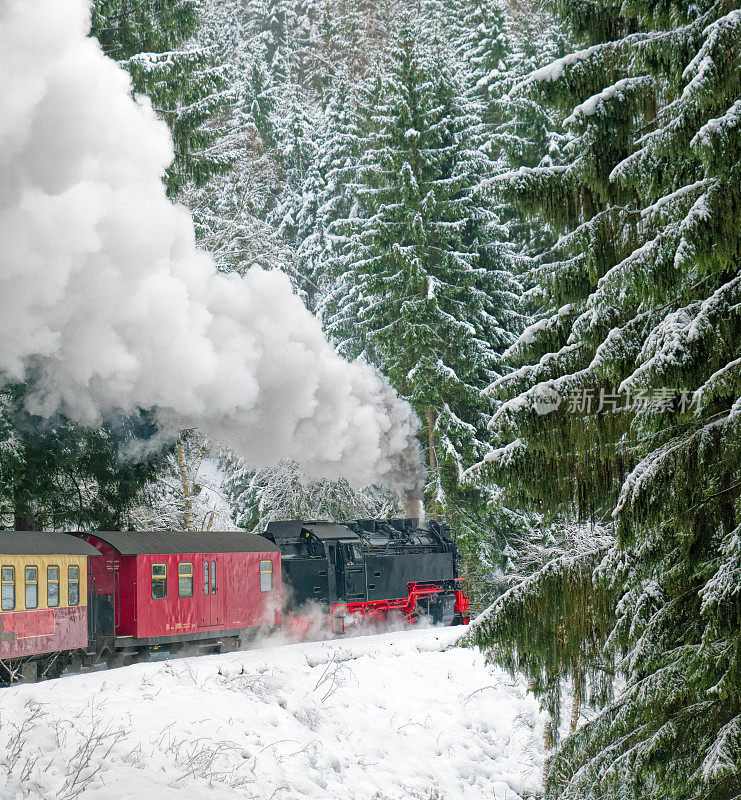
x=393, y=716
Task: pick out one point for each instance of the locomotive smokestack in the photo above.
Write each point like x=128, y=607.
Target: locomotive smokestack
x=414, y=508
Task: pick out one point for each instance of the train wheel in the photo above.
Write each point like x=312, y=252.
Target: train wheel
x=75, y=663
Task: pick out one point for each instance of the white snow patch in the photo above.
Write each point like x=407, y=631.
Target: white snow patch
x=590, y=106
x=670, y=198
x=395, y=717
x=554, y=70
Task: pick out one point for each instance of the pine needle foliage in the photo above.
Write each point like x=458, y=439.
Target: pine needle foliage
x=55, y=475
x=283, y=492
x=187, y=87
x=562, y=616
x=625, y=396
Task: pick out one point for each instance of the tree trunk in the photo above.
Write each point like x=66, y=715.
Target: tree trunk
x=548, y=743
x=431, y=419
x=575, y=708
x=548, y=736
x=576, y=704
x=24, y=518
x=187, y=504
x=432, y=445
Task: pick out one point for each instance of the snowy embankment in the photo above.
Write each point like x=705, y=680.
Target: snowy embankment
x=390, y=716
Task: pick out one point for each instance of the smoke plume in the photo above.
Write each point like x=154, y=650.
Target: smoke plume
x=106, y=304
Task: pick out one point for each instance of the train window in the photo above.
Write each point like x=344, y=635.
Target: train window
x=73, y=586
x=213, y=577
x=266, y=576
x=32, y=587
x=185, y=579
x=205, y=577
x=52, y=587
x=8, y=588
x=159, y=581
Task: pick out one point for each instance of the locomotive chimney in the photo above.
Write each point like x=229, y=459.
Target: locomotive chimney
x=414, y=508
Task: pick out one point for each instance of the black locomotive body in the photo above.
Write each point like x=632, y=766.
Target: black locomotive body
x=371, y=568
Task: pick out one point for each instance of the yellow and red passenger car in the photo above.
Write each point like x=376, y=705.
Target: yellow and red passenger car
x=43, y=601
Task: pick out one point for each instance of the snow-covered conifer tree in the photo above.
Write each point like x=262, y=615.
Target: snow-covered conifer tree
x=325, y=197
x=55, y=475
x=185, y=83
x=284, y=492
x=484, y=43
x=230, y=211
x=429, y=295
x=626, y=397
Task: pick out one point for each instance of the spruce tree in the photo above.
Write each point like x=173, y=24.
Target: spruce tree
x=281, y=492
x=55, y=475
x=625, y=398
x=230, y=211
x=484, y=43
x=430, y=293
x=185, y=83
x=324, y=199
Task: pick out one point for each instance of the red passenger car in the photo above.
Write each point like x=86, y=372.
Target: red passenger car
x=172, y=587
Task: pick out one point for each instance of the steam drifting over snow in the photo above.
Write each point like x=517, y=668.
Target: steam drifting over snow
x=106, y=304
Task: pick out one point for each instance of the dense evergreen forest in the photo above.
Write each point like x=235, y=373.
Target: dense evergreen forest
x=527, y=215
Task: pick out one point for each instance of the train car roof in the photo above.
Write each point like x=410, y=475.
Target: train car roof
x=291, y=529
x=285, y=529
x=41, y=543
x=328, y=530
x=133, y=543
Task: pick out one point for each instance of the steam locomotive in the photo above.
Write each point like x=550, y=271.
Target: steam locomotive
x=371, y=569
x=74, y=600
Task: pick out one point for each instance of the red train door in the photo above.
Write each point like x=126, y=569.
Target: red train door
x=203, y=568
x=217, y=585
x=210, y=592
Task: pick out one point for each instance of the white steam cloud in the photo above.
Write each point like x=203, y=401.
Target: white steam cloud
x=106, y=304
